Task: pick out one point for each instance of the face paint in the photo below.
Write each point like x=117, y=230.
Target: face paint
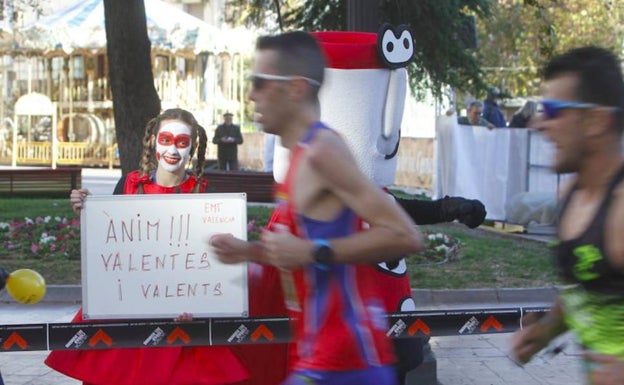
x=173, y=145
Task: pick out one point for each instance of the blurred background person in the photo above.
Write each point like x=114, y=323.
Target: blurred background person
x=491, y=110
x=523, y=116
x=474, y=116
x=227, y=137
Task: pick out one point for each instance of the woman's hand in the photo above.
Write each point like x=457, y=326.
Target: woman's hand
x=184, y=317
x=76, y=199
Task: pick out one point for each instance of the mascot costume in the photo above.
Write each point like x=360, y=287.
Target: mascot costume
x=363, y=97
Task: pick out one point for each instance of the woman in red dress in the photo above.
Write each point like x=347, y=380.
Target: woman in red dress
x=170, y=141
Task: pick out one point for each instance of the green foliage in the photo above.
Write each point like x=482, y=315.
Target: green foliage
x=329, y=15
x=441, y=58
x=520, y=36
x=403, y=194
x=266, y=14
x=257, y=218
x=16, y=208
x=515, y=37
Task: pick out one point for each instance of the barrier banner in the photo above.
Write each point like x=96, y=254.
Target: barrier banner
x=23, y=337
x=127, y=334
x=250, y=331
x=454, y=322
x=238, y=331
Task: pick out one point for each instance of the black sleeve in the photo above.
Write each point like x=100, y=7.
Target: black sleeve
x=239, y=135
x=216, y=139
x=423, y=212
x=119, y=188
x=4, y=275
x=470, y=212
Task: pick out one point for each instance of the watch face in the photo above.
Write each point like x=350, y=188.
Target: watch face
x=324, y=255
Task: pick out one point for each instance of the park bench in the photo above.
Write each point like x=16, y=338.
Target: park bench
x=31, y=182
x=257, y=185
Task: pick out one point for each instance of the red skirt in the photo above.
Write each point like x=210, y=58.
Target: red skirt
x=200, y=365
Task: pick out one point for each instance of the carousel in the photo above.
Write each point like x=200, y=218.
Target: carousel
x=60, y=62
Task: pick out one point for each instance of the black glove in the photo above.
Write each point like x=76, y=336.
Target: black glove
x=470, y=212
x=3, y=277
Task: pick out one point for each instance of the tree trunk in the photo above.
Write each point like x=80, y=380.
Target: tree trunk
x=363, y=15
x=135, y=99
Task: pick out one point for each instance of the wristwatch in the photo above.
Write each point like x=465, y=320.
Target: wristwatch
x=323, y=254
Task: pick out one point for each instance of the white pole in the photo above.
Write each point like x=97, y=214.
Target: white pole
x=70, y=82
x=54, y=137
x=14, y=151
x=29, y=75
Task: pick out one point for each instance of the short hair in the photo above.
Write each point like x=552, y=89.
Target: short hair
x=299, y=54
x=475, y=103
x=599, y=77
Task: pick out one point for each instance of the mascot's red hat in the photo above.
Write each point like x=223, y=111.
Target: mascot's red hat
x=389, y=48
x=349, y=50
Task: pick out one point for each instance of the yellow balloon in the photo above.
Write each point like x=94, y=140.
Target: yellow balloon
x=26, y=286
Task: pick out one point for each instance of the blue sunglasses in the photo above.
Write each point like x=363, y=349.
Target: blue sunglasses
x=551, y=107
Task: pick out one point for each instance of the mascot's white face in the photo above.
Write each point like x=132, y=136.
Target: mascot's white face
x=365, y=105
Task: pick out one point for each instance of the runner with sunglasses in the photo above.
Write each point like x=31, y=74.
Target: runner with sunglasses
x=583, y=115
x=314, y=236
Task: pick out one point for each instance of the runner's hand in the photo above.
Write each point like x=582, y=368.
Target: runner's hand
x=609, y=370
x=229, y=249
x=284, y=250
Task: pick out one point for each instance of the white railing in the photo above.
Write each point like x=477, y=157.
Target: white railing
x=415, y=167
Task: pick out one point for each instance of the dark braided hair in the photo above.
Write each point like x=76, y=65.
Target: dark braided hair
x=199, y=140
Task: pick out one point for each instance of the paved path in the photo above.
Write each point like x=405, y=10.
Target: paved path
x=462, y=360
x=483, y=360
x=27, y=368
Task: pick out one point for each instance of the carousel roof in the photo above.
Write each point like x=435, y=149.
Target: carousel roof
x=80, y=26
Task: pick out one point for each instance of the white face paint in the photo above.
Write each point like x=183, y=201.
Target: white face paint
x=173, y=145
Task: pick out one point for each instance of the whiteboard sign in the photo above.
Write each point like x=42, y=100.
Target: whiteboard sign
x=147, y=256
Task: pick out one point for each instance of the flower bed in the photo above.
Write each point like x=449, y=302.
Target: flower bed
x=56, y=237
x=439, y=248
x=44, y=237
